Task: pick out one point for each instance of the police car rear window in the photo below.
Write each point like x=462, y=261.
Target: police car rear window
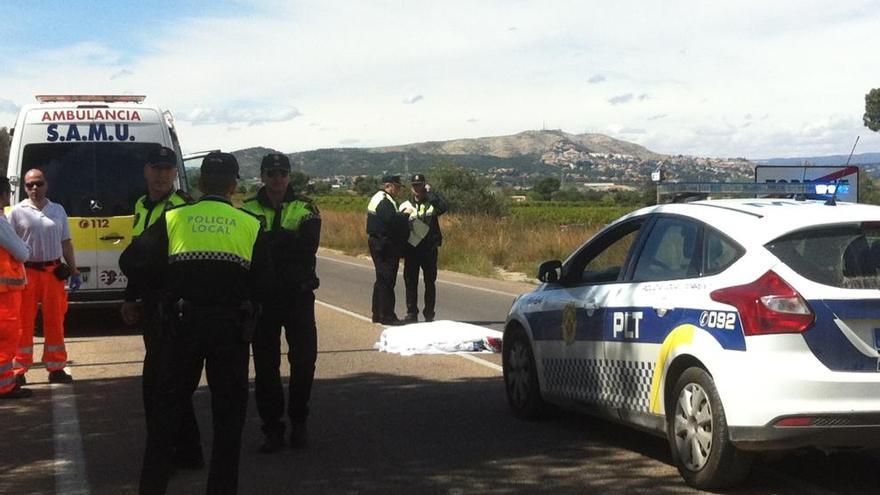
x=91, y=179
x=845, y=256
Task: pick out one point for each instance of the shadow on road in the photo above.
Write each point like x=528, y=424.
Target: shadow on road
x=377, y=433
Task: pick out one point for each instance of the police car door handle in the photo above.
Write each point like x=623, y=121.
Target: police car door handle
x=112, y=237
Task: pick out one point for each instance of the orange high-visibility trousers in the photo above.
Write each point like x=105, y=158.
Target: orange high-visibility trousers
x=10, y=332
x=45, y=289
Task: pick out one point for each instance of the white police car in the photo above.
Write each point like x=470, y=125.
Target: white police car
x=728, y=326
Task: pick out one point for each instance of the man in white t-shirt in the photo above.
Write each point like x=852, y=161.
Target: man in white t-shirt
x=42, y=225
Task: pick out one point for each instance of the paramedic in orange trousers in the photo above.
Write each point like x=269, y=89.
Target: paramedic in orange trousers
x=42, y=225
x=13, y=252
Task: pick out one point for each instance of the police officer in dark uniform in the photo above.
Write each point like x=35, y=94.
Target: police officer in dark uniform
x=388, y=230
x=420, y=254
x=160, y=171
x=293, y=227
x=212, y=265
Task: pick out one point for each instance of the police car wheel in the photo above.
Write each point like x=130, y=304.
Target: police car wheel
x=698, y=436
x=521, y=375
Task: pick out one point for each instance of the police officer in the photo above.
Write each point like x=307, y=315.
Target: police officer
x=293, y=227
x=160, y=171
x=211, y=263
x=387, y=229
x=420, y=253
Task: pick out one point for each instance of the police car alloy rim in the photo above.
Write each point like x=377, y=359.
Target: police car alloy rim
x=693, y=427
x=518, y=371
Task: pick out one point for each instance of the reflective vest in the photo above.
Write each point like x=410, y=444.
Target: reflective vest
x=293, y=213
x=12, y=274
x=377, y=198
x=421, y=211
x=144, y=217
x=211, y=230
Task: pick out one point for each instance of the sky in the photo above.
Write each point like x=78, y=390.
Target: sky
x=751, y=78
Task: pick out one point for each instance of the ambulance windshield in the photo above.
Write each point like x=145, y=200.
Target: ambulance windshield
x=90, y=179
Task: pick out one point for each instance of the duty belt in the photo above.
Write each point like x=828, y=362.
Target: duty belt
x=41, y=264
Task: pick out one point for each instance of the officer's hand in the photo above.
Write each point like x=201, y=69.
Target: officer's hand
x=131, y=312
x=75, y=282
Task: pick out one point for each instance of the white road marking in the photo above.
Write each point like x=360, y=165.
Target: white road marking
x=70, y=462
x=439, y=281
x=364, y=318
x=344, y=311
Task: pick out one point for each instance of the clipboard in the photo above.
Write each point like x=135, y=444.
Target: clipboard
x=417, y=231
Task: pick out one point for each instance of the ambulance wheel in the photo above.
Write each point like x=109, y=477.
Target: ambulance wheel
x=521, y=375
x=698, y=435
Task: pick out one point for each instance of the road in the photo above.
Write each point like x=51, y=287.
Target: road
x=381, y=423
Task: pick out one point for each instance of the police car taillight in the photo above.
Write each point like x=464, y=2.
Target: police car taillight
x=768, y=306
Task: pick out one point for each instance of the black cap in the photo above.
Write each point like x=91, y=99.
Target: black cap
x=393, y=179
x=417, y=179
x=162, y=157
x=217, y=163
x=275, y=160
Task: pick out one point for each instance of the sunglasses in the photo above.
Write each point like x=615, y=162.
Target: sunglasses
x=277, y=173
x=31, y=185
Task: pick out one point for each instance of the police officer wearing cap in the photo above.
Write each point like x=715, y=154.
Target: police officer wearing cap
x=211, y=264
x=293, y=227
x=160, y=172
x=420, y=252
x=388, y=230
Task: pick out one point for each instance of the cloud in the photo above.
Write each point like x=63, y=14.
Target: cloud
x=414, y=99
x=240, y=113
x=596, y=79
x=658, y=116
x=644, y=97
x=349, y=141
x=633, y=130
x=122, y=73
x=7, y=106
x=620, y=99
x=472, y=120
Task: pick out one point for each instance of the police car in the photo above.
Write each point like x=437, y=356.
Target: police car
x=728, y=326
x=92, y=149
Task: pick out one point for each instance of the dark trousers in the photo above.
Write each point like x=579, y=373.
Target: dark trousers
x=386, y=258
x=297, y=315
x=188, y=442
x=426, y=261
x=213, y=339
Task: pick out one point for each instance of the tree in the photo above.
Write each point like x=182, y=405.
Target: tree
x=872, y=110
x=299, y=181
x=546, y=187
x=366, y=186
x=464, y=190
x=567, y=194
x=321, y=188
x=868, y=191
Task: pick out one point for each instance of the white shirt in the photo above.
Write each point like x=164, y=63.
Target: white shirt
x=10, y=241
x=42, y=230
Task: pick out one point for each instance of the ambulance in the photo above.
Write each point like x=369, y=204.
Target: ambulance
x=92, y=149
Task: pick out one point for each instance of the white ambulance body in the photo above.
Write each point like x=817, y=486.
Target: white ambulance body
x=92, y=150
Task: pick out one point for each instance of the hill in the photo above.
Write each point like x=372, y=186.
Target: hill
x=513, y=158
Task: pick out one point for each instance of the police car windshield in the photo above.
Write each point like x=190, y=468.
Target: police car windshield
x=845, y=256
x=90, y=179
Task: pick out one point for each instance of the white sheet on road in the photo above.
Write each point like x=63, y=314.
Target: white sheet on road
x=439, y=337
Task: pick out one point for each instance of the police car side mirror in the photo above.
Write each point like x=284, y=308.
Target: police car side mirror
x=549, y=271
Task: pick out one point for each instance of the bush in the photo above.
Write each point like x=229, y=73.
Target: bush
x=465, y=191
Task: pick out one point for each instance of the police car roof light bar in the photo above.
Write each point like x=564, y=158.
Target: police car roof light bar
x=101, y=98
x=690, y=189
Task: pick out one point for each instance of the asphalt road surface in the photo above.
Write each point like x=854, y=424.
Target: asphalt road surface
x=380, y=423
